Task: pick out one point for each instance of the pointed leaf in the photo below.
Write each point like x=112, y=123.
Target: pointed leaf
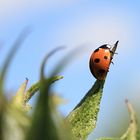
x=84, y=117
x=19, y=97
x=35, y=88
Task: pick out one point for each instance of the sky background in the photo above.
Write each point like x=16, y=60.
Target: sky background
x=73, y=23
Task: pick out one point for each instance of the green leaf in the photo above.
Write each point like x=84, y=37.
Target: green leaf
x=35, y=88
x=15, y=123
x=84, y=117
x=18, y=100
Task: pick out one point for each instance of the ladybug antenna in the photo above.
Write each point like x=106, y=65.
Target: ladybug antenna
x=114, y=48
x=116, y=44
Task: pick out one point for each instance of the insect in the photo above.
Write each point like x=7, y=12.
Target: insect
x=100, y=61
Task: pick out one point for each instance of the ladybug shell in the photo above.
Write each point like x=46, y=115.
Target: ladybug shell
x=100, y=61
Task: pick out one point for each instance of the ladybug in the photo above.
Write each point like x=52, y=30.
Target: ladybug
x=100, y=61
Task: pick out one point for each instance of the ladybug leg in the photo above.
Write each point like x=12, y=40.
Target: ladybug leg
x=112, y=62
x=113, y=52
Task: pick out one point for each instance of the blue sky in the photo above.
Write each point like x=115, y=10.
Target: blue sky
x=73, y=23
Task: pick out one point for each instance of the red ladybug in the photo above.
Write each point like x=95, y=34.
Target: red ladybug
x=100, y=61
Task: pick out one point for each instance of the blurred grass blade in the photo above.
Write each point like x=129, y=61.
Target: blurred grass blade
x=46, y=119
x=19, y=97
x=36, y=87
x=68, y=58
x=15, y=123
x=47, y=57
x=84, y=116
x=12, y=52
x=3, y=72
x=132, y=132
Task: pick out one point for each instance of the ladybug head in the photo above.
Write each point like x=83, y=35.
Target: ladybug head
x=106, y=46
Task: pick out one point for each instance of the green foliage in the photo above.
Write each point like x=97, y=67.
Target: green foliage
x=84, y=117
x=35, y=88
x=45, y=122
x=132, y=132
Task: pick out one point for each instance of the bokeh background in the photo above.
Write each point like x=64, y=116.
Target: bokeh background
x=74, y=23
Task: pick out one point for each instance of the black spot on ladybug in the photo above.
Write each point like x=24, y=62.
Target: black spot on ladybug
x=97, y=60
x=101, y=71
x=105, y=57
x=96, y=50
